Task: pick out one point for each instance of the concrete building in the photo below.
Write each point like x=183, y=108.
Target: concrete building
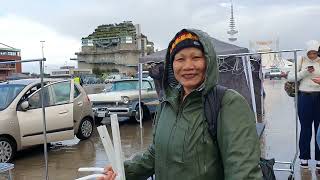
x=69, y=71
x=8, y=53
x=114, y=48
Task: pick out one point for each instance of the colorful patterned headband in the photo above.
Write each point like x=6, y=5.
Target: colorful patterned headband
x=183, y=37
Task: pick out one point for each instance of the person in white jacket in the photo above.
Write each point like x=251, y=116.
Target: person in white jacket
x=308, y=101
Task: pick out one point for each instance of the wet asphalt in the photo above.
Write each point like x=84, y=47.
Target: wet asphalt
x=279, y=138
x=66, y=157
x=278, y=141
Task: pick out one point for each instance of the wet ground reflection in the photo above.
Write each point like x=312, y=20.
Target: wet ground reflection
x=67, y=156
x=279, y=140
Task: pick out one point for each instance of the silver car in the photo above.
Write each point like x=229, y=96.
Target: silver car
x=67, y=107
x=121, y=97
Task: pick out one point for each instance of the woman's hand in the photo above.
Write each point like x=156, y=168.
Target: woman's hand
x=310, y=69
x=109, y=174
x=316, y=80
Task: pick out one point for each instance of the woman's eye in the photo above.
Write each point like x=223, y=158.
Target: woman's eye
x=179, y=59
x=197, y=57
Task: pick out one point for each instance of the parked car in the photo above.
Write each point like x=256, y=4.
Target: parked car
x=267, y=75
x=275, y=73
x=122, y=98
x=68, y=112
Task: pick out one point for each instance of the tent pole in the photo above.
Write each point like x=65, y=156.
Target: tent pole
x=296, y=99
x=44, y=114
x=253, y=97
x=261, y=90
x=140, y=87
x=44, y=121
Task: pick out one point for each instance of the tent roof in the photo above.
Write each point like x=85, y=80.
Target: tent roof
x=222, y=48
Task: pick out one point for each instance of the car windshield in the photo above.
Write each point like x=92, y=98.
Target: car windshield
x=128, y=85
x=8, y=93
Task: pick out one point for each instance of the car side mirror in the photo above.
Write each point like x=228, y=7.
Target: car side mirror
x=149, y=89
x=25, y=105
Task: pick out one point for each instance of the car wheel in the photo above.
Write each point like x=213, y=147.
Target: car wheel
x=85, y=129
x=145, y=113
x=7, y=150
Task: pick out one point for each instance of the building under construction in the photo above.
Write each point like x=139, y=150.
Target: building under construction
x=114, y=48
x=8, y=53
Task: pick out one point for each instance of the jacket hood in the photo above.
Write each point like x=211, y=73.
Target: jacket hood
x=312, y=45
x=172, y=86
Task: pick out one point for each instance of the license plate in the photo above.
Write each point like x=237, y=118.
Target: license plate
x=101, y=114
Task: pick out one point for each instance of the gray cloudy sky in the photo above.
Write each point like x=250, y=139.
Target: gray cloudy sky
x=62, y=23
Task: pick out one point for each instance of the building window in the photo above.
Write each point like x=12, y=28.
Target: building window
x=8, y=53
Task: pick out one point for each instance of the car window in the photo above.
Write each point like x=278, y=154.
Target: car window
x=76, y=92
x=8, y=93
x=145, y=85
x=35, y=99
x=152, y=84
x=129, y=85
x=30, y=91
x=125, y=85
x=61, y=92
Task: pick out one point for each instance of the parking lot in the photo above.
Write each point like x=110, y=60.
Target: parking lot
x=66, y=157
x=278, y=141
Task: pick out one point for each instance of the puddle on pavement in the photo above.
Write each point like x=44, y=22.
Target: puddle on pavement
x=67, y=156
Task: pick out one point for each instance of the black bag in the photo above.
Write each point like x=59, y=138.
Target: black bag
x=266, y=166
x=290, y=88
x=212, y=107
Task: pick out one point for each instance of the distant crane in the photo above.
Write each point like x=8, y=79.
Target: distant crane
x=232, y=32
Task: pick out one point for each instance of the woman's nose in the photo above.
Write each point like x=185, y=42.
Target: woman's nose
x=189, y=64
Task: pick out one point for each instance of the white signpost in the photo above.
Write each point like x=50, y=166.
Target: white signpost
x=113, y=151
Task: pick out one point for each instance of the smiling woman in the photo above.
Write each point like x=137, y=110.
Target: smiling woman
x=189, y=68
x=181, y=140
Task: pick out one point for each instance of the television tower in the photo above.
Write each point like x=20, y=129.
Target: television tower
x=232, y=32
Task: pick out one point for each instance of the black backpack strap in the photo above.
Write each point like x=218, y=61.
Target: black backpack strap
x=212, y=105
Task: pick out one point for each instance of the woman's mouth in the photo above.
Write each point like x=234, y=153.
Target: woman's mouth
x=188, y=76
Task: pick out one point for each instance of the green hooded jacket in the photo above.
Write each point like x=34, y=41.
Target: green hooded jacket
x=182, y=147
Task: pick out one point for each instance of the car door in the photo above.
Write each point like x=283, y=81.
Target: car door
x=59, y=115
x=149, y=95
x=62, y=112
x=149, y=90
x=78, y=104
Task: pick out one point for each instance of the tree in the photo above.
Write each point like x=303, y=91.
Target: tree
x=97, y=71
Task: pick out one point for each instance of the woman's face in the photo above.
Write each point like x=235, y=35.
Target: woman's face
x=312, y=55
x=189, y=66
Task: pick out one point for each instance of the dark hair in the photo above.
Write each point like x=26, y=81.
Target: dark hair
x=319, y=51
